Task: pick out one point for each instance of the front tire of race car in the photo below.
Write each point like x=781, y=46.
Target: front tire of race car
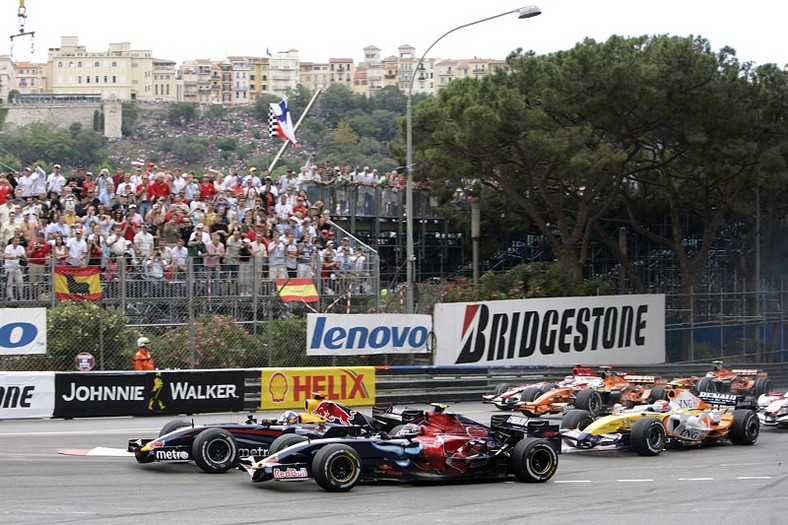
x=589, y=400
x=706, y=384
x=745, y=427
x=547, y=387
x=215, y=451
x=576, y=418
x=647, y=437
x=530, y=393
x=503, y=387
x=175, y=424
x=336, y=467
x=534, y=460
x=284, y=441
x=658, y=393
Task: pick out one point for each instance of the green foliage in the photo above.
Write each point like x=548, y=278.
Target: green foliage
x=129, y=116
x=75, y=146
x=215, y=111
x=218, y=343
x=182, y=113
x=226, y=144
x=74, y=327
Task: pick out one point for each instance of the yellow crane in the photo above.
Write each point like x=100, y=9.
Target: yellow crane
x=22, y=14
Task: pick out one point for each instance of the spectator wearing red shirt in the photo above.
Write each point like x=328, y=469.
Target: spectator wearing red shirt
x=37, y=258
x=5, y=189
x=207, y=189
x=159, y=188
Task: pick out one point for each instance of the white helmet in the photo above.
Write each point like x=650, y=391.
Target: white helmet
x=143, y=341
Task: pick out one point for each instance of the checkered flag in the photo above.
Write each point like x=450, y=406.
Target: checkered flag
x=279, y=122
x=273, y=124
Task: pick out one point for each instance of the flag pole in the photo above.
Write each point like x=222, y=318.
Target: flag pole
x=300, y=119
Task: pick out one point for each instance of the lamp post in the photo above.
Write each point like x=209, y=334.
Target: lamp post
x=410, y=258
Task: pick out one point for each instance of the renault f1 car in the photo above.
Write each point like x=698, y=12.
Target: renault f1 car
x=216, y=448
x=435, y=445
x=648, y=430
x=507, y=397
x=773, y=409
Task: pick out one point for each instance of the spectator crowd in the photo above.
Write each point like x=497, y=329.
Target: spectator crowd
x=152, y=223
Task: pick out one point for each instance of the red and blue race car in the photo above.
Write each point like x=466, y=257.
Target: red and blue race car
x=431, y=445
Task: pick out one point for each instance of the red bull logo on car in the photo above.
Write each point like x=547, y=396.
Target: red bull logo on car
x=290, y=387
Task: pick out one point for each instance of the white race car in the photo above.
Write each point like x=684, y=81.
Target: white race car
x=773, y=409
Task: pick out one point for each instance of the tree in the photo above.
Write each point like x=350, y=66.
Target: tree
x=182, y=113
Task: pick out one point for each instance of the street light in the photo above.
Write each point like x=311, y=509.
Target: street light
x=410, y=262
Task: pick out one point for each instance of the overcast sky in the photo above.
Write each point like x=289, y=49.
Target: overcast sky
x=320, y=29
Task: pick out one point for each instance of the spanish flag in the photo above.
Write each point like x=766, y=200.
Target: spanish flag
x=297, y=290
x=76, y=283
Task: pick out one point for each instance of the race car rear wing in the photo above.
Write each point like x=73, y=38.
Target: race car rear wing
x=522, y=427
x=715, y=398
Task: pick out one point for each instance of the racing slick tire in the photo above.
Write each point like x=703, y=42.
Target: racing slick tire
x=533, y=460
x=647, y=437
x=576, y=418
x=745, y=427
x=547, y=387
x=284, y=441
x=658, y=393
x=706, y=384
x=175, y=424
x=763, y=385
x=336, y=467
x=590, y=400
x=503, y=387
x=530, y=393
x=215, y=450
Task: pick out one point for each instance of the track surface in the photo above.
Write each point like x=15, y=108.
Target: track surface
x=722, y=484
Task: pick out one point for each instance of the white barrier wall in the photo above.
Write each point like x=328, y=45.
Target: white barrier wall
x=621, y=329
x=27, y=394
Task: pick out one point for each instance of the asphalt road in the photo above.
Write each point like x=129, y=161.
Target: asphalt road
x=720, y=485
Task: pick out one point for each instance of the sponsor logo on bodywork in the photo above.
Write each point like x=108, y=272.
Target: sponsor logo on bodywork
x=290, y=473
x=164, y=454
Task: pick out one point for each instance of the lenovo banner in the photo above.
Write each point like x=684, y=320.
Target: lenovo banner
x=23, y=331
x=610, y=330
x=290, y=387
x=363, y=334
x=27, y=394
x=149, y=393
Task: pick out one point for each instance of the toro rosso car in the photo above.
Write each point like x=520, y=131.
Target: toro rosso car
x=507, y=397
x=773, y=409
x=435, y=446
x=216, y=448
x=648, y=430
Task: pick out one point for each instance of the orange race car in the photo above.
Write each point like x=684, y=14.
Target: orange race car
x=601, y=396
x=739, y=381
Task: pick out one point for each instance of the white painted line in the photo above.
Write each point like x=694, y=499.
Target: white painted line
x=753, y=477
x=574, y=481
x=634, y=480
x=696, y=479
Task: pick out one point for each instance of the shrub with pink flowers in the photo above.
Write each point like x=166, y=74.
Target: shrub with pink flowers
x=219, y=342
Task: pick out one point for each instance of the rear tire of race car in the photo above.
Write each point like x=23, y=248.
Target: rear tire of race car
x=705, y=384
x=215, y=451
x=336, y=467
x=547, y=387
x=533, y=460
x=745, y=427
x=175, y=424
x=576, y=418
x=503, y=387
x=647, y=437
x=658, y=393
x=530, y=393
x=762, y=386
x=284, y=441
x=590, y=400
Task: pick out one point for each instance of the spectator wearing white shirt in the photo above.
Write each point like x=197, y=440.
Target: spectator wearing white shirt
x=55, y=181
x=77, y=249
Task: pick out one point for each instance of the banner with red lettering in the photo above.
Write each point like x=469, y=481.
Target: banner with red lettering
x=290, y=387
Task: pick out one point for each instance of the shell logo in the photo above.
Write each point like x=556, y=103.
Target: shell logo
x=277, y=387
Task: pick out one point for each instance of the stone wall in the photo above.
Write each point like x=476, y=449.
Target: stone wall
x=62, y=115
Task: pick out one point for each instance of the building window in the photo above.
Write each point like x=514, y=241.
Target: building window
x=105, y=79
x=114, y=79
x=79, y=79
x=97, y=79
x=168, y=89
x=87, y=79
x=114, y=64
x=79, y=64
x=96, y=64
x=71, y=64
x=60, y=64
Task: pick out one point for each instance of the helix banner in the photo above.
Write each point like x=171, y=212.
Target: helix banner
x=291, y=387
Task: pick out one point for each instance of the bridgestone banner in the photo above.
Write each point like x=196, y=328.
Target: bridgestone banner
x=363, y=334
x=27, y=394
x=613, y=330
x=82, y=394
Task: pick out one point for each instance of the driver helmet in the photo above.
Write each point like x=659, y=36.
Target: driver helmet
x=408, y=429
x=143, y=341
x=661, y=406
x=288, y=418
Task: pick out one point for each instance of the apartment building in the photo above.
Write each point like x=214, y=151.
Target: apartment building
x=195, y=79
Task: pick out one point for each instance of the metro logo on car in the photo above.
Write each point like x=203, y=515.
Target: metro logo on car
x=363, y=334
x=290, y=387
